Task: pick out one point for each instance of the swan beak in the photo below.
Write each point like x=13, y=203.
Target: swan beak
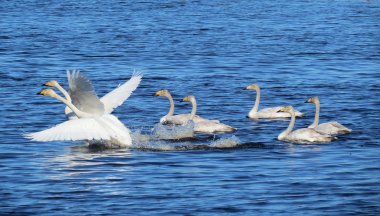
x=41, y=92
x=50, y=83
x=307, y=101
x=182, y=100
x=246, y=88
x=158, y=93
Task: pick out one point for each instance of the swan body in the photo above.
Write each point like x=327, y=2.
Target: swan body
x=269, y=113
x=82, y=94
x=86, y=126
x=304, y=135
x=331, y=128
x=206, y=126
x=170, y=118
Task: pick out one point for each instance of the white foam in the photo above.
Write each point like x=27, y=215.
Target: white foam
x=226, y=142
x=174, y=132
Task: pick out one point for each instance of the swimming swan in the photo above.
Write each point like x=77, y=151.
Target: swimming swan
x=303, y=135
x=170, y=118
x=86, y=127
x=206, y=126
x=331, y=128
x=266, y=112
x=82, y=94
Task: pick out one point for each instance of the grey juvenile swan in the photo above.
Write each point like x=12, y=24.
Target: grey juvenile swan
x=271, y=113
x=170, y=118
x=303, y=135
x=206, y=126
x=331, y=128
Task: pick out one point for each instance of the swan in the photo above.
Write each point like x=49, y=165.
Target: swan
x=87, y=126
x=82, y=94
x=331, y=128
x=206, y=126
x=303, y=135
x=266, y=112
x=170, y=118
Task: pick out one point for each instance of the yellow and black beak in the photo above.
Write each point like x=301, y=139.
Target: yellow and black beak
x=43, y=92
x=185, y=99
x=47, y=84
x=158, y=93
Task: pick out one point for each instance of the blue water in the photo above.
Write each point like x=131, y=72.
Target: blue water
x=211, y=49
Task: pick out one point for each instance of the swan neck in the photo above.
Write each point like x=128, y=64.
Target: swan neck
x=77, y=112
x=316, y=117
x=257, y=101
x=171, y=110
x=291, y=124
x=194, y=109
x=64, y=92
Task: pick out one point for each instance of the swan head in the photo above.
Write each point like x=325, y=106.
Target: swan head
x=189, y=98
x=287, y=109
x=48, y=92
x=312, y=100
x=253, y=86
x=51, y=83
x=162, y=92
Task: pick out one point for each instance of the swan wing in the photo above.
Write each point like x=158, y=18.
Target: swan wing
x=308, y=135
x=340, y=126
x=117, y=96
x=182, y=119
x=272, y=112
x=76, y=129
x=83, y=94
x=332, y=128
x=210, y=126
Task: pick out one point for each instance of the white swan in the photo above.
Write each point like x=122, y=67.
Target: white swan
x=170, y=118
x=331, y=128
x=303, y=135
x=206, y=126
x=266, y=112
x=86, y=127
x=82, y=94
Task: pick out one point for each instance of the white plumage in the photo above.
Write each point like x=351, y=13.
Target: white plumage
x=100, y=128
x=95, y=124
x=82, y=94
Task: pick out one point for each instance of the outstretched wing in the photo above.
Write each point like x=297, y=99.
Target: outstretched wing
x=117, y=96
x=83, y=94
x=76, y=129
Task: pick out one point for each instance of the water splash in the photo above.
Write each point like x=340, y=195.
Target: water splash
x=229, y=142
x=174, y=132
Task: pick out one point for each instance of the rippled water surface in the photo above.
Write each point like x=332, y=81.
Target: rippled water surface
x=211, y=49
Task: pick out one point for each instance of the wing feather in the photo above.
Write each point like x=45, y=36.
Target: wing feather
x=117, y=96
x=76, y=129
x=83, y=94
